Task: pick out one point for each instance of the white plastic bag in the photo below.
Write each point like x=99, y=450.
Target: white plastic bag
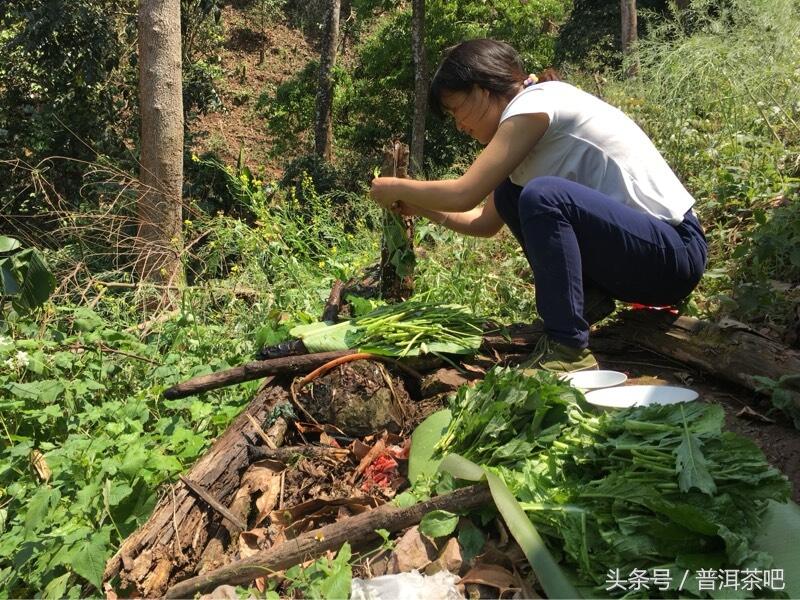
x=408, y=586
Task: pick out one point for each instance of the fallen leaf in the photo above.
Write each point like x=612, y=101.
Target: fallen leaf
x=327, y=440
x=375, y=452
x=474, y=368
x=492, y=575
x=109, y=591
x=39, y=463
x=267, y=501
x=252, y=542
x=359, y=449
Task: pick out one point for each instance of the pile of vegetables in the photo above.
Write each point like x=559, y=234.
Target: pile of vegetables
x=406, y=329
x=647, y=487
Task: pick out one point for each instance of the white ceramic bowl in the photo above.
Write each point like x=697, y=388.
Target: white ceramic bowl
x=592, y=380
x=640, y=395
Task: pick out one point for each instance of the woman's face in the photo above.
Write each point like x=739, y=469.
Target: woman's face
x=477, y=112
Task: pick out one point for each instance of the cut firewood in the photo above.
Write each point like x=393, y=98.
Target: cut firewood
x=359, y=528
x=334, y=303
x=288, y=365
x=289, y=453
x=182, y=525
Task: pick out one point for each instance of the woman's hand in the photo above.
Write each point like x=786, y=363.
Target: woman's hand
x=384, y=191
x=401, y=208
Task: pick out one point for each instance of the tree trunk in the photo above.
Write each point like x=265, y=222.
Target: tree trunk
x=159, y=237
x=180, y=535
x=420, y=85
x=630, y=36
x=323, y=131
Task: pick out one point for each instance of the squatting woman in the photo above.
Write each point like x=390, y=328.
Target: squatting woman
x=597, y=210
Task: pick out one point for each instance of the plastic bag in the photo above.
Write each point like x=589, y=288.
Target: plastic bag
x=408, y=586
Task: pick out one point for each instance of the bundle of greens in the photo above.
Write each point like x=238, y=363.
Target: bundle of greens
x=508, y=416
x=405, y=329
x=647, y=487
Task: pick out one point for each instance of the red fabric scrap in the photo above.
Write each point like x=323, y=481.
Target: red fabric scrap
x=380, y=472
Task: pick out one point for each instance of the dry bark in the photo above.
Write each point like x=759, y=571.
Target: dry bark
x=334, y=303
x=175, y=537
x=158, y=238
x=629, y=35
x=359, y=528
x=257, y=369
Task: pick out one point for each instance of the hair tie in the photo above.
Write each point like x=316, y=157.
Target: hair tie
x=530, y=80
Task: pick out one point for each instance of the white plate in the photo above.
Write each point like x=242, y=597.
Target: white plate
x=591, y=380
x=640, y=395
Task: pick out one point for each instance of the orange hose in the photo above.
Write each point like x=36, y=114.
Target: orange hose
x=335, y=363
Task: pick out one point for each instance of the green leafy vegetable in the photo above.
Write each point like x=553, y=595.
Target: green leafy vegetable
x=655, y=486
x=549, y=574
x=405, y=329
x=438, y=523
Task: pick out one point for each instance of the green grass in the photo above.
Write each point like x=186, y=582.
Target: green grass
x=719, y=97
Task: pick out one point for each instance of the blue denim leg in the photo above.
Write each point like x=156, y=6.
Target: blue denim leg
x=573, y=236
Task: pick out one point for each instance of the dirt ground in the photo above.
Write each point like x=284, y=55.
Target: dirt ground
x=238, y=125
x=768, y=428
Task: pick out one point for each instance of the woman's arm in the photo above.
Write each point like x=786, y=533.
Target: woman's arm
x=481, y=221
x=513, y=141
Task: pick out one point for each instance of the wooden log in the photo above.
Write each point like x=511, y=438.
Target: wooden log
x=728, y=350
x=176, y=534
x=289, y=453
x=215, y=553
x=334, y=303
x=357, y=529
x=287, y=365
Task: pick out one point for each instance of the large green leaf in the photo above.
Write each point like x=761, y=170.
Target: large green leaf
x=691, y=465
x=552, y=577
x=438, y=523
x=339, y=580
x=8, y=244
x=324, y=337
x=780, y=532
x=90, y=562
x=8, y=283
x=423, y=441
x=38, y=507
x=24, y=277
x=37, y=283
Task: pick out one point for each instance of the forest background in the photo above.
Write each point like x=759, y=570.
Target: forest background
x=87, y=347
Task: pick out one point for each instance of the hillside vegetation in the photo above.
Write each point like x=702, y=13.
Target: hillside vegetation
x=268, y=226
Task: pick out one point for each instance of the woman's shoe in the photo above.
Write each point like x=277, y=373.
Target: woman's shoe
x=560, y=358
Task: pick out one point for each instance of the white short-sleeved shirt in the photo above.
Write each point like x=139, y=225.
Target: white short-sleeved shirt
x=592, y=143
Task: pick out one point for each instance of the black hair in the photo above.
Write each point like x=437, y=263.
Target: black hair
x=489, y=64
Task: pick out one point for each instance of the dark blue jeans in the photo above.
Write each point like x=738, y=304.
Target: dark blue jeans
x=575, y=237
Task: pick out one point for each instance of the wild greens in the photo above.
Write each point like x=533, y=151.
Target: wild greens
x=657, y=486
x=405, y=329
